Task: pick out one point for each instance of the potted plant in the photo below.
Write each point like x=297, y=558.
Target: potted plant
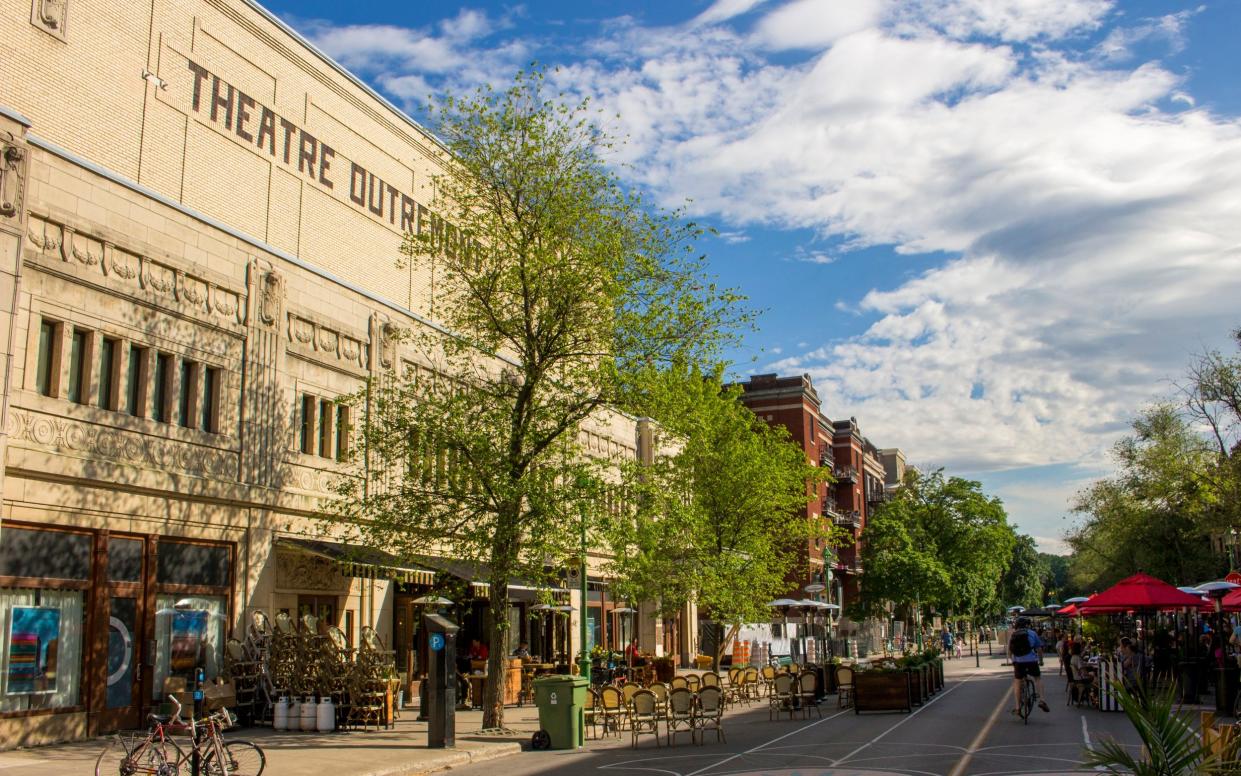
x=885, y=686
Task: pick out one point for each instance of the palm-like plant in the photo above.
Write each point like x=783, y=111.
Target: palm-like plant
x=1171, y=746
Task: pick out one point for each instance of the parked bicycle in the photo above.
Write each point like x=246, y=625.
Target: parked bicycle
x=157, y=753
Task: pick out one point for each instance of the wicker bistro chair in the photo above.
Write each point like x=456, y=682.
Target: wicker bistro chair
x=693, y=682
x=782, y=696
x=643, y=716
x=612, y=706
x=627, y=691
x=808, y=693
x=735, y=689
x=709, y=714
x=592, y=713
x=660, y=691
x=752, y=686
x=844, y=687
x=768, y=677
x=709, y=679
x=678, y=682
x=680, y=714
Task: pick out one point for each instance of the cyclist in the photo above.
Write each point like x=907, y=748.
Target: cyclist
x=1024, y=649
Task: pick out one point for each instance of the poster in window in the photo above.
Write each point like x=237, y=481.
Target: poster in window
x=189, y=632
x=34, y=643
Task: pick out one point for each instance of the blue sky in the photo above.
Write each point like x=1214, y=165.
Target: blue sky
x=989, y=229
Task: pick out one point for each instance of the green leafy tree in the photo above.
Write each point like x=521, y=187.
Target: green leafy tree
x=554, y=281
x=722, y=521
x=1150, y=516
x=1055, y=576
x=1023, y=582
x=942, y=542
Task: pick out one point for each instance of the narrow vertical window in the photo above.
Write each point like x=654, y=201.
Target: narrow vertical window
x=210, y=401
x=159, y=386
x=133, y=381
x=306, y=427
x=185, y=394
x=325, y=428
x=342, y=431
x=107, y=373
x=77, y=366
x=44, y=383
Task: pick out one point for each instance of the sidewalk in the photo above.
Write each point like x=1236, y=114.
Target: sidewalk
x=399, y=751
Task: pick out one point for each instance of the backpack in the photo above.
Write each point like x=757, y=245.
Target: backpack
x=1019, y=644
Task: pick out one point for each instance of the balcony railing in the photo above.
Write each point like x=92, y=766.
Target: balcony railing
x=847, y=519
x=846, y=474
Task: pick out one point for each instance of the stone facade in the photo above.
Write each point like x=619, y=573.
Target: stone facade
x=199, y=221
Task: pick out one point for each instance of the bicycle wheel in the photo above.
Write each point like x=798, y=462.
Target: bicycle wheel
x=137, y=756
x=242, y=758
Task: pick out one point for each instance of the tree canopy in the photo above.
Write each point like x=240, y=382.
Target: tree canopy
x=940, y=541
x=722, y=521
x=552, y=281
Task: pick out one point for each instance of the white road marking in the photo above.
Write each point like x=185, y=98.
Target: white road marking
x=921, y=709
x=767, y=743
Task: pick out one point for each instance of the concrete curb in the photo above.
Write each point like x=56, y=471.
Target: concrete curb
x=449, y=758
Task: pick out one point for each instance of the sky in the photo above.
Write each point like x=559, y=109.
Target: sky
x=990, y=230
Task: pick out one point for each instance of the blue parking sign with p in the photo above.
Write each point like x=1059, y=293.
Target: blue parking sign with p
x=437, y=642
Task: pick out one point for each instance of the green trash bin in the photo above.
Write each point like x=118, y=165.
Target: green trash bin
x=561, y=701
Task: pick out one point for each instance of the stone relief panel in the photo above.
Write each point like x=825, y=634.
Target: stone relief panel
x=51, y=16
x=296, y=571
x=326, y=344
x=127, y=447
x=12, y=182
x=173, y=287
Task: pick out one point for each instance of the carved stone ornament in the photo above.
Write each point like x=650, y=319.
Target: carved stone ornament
x=44, y=235
x=271, y=298
x=81, y=248
x=11, y=183
x=119, y=446
x=123, y=264
x=387, y=344
x=51, y=16
x=296, y=571
x=156, y=277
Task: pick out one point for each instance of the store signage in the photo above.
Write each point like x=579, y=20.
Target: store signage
x=243, y=119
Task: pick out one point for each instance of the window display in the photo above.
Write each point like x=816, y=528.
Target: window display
x=42, y=648
x=189, y=632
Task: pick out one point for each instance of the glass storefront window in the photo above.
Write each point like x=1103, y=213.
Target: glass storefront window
x=182, y=563
x=27, y=552
x=41, y=647
x=189, y=632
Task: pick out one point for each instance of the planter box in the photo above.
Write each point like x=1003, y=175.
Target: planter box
x=881, y=691
x=939, y=674
x=829, y=679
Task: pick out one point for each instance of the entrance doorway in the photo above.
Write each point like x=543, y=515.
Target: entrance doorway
x=122, y=639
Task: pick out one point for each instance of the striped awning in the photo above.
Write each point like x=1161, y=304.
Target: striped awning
x=357, y=561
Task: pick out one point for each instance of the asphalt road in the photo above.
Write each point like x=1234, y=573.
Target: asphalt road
x=966, y=728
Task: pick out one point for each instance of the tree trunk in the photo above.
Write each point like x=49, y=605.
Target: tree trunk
x=724, y=638
x=497, y=669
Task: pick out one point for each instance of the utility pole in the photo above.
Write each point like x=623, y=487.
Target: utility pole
x=583, y=656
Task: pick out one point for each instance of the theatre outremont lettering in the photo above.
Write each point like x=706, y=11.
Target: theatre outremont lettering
x=246, y=120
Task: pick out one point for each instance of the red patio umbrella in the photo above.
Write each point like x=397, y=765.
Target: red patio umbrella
x=1230, y=602
x=1140, y=592
x=1067, y=611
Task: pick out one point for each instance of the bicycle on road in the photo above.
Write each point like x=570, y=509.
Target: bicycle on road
x=1028, y=696
x=155, y=753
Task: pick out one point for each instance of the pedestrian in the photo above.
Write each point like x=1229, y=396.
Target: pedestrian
x=946, y=638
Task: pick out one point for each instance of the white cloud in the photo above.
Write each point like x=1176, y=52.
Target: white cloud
x=1091, y=230
x=815, y=23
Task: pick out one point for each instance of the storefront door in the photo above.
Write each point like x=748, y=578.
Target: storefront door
x=122, y=620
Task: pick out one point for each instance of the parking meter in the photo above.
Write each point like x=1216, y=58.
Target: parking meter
x=441, y=681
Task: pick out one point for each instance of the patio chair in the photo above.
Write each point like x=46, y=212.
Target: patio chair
x=592, y=712
x=1080, y=691
x=844, y=687
x=808, y=693
x=795, y=668
x=709, y=714
x=768, y=676
x=660, y=691
x=752, y=687
x=612, y=706
x=643, y=716
x=781, y=698
x=678, y=682
x=710, y=679
x=693, y=682
x=680, y=715
x=627, y=691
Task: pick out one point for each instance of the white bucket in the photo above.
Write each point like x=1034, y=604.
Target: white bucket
x=308, y=714
x=326, y=719
x=280, y=714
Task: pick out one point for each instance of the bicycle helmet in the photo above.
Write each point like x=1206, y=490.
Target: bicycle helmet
x=1023, y=622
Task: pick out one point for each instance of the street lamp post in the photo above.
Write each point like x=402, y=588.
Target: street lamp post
x=583, y=662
